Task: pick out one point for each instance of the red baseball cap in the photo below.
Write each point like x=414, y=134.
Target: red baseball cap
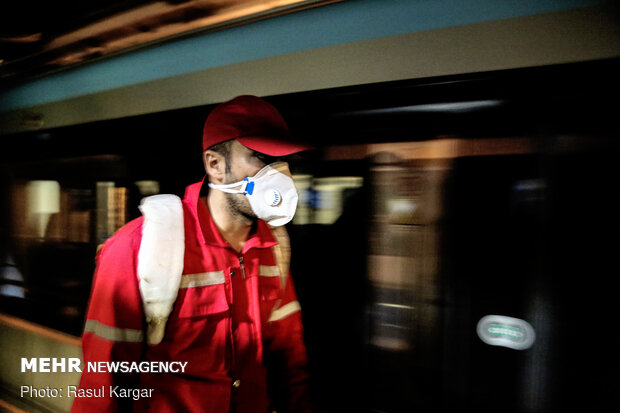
x=252, y=121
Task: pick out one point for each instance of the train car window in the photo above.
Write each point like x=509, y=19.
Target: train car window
x=57, y=213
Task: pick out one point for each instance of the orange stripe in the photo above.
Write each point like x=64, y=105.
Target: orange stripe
x=37, y=329
x=8, y=407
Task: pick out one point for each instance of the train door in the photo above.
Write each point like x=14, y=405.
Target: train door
x=532, y=283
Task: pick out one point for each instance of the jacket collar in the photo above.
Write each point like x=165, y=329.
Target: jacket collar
x=209, y=234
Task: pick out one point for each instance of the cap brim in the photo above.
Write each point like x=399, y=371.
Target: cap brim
x=273, y=146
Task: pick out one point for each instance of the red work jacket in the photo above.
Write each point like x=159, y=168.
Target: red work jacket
x=234, y=321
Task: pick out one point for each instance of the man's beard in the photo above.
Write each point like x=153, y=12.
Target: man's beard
x=238, y=204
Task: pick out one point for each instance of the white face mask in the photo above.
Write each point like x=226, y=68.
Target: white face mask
x=271, y=192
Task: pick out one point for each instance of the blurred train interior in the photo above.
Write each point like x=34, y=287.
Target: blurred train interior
x=456, y=244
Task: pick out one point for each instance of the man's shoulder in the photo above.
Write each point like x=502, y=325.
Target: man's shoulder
x=131, y=229
x=128, y=236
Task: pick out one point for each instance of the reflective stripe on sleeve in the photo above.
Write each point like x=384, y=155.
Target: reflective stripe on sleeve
x=285, y=311
x=269, y=271
x=202, y=279
x=107, y=332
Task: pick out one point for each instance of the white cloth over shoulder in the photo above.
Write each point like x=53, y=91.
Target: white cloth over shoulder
x=160, y=260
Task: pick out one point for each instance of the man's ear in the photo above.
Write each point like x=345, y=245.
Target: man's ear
x=215, y=166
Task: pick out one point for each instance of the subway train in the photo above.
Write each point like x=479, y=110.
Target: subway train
x=457, y=239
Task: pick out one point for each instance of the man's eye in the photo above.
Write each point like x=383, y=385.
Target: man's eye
x=264, y=158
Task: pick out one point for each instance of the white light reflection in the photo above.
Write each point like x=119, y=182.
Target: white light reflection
x=453, y=107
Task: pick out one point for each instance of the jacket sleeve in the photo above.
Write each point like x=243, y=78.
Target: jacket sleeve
x=114, y=323
x=285, y=355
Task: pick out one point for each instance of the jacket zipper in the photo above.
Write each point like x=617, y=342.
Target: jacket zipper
x=242, y=266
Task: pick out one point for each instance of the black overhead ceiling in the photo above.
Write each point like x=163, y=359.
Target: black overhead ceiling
x=41, y=37
x=27, y=27
x=50, y=19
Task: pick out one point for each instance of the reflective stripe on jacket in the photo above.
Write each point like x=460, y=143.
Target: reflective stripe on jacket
x=235, y=318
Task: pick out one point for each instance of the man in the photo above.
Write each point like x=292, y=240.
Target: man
x=235, y=322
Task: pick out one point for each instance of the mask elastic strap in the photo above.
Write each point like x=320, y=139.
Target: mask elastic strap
x=247, y=187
